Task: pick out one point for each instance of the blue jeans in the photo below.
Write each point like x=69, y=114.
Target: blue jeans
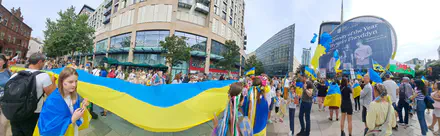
x=403, y=104
x=305, y=110
x=421, y=107
x=292, y=119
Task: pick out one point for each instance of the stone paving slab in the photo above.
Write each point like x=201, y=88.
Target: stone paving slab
x=112, y=125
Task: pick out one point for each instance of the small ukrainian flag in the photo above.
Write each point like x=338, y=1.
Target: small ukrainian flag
x=250, y=71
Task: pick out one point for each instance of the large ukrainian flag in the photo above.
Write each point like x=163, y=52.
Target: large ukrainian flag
x=333, y=97
x=165, y=108
x=250, y=71
x=374, y=76
x=323, y=47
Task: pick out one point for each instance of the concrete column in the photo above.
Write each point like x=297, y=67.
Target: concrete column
x=208, y=55
x=133, y=36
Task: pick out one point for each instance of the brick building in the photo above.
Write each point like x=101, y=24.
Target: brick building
x=14, y=33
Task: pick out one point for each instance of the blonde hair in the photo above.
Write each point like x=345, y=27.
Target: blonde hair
x=68, y=71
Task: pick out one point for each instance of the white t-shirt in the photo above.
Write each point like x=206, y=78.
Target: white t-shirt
x=96, y=72
x=286, y=83
x=391, y=87
x=68, y=101
x=176, y=82
x=43, y=81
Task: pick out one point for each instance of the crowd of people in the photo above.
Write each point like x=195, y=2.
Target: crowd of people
x=381, y=105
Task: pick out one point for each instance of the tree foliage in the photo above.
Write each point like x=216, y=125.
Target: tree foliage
x=176, y=50
x=253, y=62
x=68, y=34
x=231, y=56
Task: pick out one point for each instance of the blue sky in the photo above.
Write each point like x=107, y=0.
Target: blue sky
x=416, y=22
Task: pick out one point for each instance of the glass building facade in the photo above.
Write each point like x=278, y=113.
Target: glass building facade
x=277, y=53
x=150, y=38
x=197, y=43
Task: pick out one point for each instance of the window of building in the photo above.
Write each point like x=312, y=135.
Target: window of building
x=9, y=38
x=217, y=48
x=6, y=22
x=230, y=20
x=101, y=45
x=115, y=8
x=12, y=25
x=197, y=43
x=120, y=41
x=150, y=38
x=216, y=10
x=119, y=57
x=198, y=62
x=224, y=15
x=8, y=52
x=2, y=35
x=13, y=40
x=151, y=59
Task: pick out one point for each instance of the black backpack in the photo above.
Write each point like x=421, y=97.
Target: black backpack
x=402, y=92
x=20, y=96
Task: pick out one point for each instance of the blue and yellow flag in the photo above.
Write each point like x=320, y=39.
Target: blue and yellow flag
x=298, y=88
x=337, y=61
x=55, y=117
x=164, y=108
x=261, y=116
x=374, y=76
x=333, y=97
x=423, y=79
x=377, y=66
x=310, y=72
x=250, y=71
x=323, y=47
x=356, y=90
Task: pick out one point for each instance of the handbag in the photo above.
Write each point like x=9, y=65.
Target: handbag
x=380, y=130
x=428, y=102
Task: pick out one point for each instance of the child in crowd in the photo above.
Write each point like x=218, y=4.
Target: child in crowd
x=292, y=102
x=279, y=102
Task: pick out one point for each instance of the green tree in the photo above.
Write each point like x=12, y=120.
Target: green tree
x=175, y=51
x=230, y=57
x=253, y=62
x=68, y=34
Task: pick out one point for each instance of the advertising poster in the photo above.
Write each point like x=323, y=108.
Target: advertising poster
x=359, y=41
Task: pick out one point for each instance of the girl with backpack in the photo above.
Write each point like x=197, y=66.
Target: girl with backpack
x=62, y=111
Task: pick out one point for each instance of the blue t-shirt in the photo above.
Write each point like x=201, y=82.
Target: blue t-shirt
x=103, y=73
x=4, y=77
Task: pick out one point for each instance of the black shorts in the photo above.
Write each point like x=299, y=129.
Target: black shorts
x=364, y=114
x=277, y=109
x=347, y=108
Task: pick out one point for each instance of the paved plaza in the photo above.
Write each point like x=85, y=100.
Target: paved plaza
x=112, y=125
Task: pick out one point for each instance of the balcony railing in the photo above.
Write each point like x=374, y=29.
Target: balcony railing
x=107, y=11
x=202, y=8
x=106, y=20
x=185, y=3
x=108, y=3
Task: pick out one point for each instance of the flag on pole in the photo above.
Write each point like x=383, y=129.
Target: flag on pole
x=310, y=72
x=377, y=66
x=374, y=76
x=323, y=47
x=338, y=61
x=250, y=71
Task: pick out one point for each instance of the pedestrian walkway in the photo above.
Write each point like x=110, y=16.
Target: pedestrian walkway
x=112, y=125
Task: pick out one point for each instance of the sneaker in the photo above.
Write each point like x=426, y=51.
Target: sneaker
x=300, y=133
x=269, y=121
x=281, y=120
x=431, y=128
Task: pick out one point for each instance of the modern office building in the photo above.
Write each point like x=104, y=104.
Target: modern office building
x=130, y=31
x=14, y=33
x=250, y=54
x=277, y=53
x=305, y=58
x=35, y=45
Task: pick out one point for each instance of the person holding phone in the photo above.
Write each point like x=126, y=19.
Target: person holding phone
x=62, y=112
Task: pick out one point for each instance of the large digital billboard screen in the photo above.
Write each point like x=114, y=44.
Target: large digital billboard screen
x=359, y=41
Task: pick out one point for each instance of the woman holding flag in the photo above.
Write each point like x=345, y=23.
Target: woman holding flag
x=62, y=112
